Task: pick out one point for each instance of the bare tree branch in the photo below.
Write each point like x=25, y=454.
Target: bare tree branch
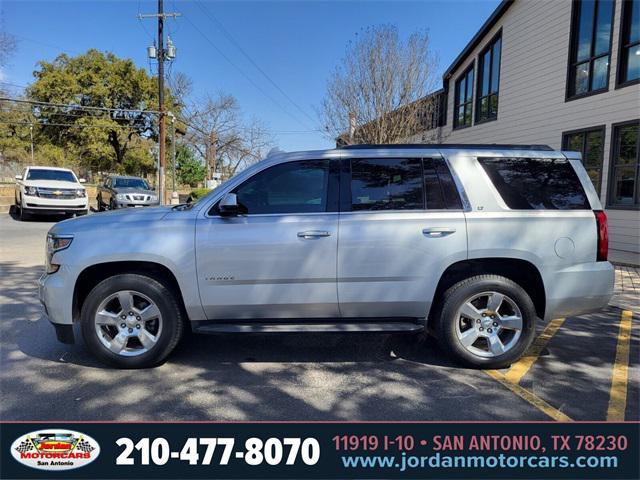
x=385, y=83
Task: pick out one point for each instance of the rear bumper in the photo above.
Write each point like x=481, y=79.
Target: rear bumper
x=579, y=289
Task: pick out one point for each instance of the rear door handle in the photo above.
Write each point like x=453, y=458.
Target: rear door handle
x=436, y=232
x=313, y=234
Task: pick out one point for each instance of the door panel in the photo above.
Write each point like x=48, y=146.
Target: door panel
x=268, y=266
x=278, y=258
x=387, y=266
x=399, y=235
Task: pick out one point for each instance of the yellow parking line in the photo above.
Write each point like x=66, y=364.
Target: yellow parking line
x=618, y=393
x=530, y=397
x=522, y=366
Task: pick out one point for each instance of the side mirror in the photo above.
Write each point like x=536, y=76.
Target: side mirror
x=229, y=205
x=18, y=177
x=82, y=180
x=152, y=188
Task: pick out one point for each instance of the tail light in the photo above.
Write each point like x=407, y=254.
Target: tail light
x=603, y=236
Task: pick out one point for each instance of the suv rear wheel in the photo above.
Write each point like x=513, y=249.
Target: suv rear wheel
x=486, y=321
x=131, y=321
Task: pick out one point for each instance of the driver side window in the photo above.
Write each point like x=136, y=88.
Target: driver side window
x=293, y=187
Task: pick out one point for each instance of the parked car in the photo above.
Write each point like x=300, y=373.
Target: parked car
x=120, y=191
x=474, y=243
x=50, y=191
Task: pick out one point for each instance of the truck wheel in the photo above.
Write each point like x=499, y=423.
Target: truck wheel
x=22, y=215
x=131, y=321
x=486, y=321
x=100, y=204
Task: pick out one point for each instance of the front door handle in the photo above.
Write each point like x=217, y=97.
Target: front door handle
x=436, y=232
x=313, y=234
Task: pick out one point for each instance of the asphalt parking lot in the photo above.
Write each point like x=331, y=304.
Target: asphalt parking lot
x=582, y=368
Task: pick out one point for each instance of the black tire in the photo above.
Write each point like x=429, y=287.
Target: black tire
x=446, y=320
x=164, y=298
x=101, y=207
x=112, y=205
x=82, y=213
x=22, y=214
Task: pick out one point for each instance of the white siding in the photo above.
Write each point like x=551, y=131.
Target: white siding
x=532, y=107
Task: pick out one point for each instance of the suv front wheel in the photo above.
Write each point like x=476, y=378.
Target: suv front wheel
x=131, y=321
x=486, y=321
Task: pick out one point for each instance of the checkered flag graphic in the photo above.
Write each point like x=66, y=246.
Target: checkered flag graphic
x=25, y=446
x=84, y=446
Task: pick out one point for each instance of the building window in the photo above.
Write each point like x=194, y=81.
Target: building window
x=488, y=81
x=590, y=143
x=629, y=53
x=625, y=165
x=464, y=99
x=590, y=47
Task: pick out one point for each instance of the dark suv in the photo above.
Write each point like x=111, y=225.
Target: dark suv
x=120, y=191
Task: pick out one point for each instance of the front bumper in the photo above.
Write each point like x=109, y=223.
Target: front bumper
x=128, y=204
x=50, y=293
x=55, y=206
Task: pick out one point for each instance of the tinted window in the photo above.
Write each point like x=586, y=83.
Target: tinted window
x=590, y=45
x=131, y=183
x=294, y=187
x=387, y=184
x=42, y=174
x=440, y=189
x=590, y=143
x=625, y=166
x=536, y=183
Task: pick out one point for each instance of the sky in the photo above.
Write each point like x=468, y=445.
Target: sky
x=296, y=43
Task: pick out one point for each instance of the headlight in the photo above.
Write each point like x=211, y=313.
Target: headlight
x=121, y=196
x=81, y=193
x=153, y=198
x=32, y=191
x=55, y=243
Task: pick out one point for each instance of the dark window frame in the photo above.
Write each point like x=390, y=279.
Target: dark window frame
x=573, y=47
x=468, y=101
x=333, y=189
x=613, y=151
x=625, y=25
x=598, y=128
x=488, y=49
x=504, y=188
x=345, y=186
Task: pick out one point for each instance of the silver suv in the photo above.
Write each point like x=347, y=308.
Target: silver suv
x=472, y=243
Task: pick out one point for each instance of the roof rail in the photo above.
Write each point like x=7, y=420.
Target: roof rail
x=470, y=146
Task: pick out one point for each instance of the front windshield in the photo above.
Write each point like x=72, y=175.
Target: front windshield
x=44, y=174
x=130, y=183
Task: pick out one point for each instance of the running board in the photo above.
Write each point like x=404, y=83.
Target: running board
x=388, y=327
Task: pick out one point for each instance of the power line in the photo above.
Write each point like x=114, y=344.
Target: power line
x=248, y=57
x=80, y=107
x=71, y=125
x=247, y=77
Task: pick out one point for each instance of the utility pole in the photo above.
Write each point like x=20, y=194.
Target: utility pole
x=161, y=54
x=31, y=135
x=174, y=193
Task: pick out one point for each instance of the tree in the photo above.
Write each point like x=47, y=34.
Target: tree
x=102, y=139
x=383, y=82
x=190, y=171
x=238, y=142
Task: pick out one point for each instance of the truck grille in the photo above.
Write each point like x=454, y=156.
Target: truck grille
x=59, y=193
x=138, y=198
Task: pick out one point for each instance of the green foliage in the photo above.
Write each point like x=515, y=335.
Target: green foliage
x=199, y=193
x=116, y=140
x=190, y=171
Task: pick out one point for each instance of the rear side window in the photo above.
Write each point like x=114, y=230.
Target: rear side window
x=402, y=184
x=536, y=183
x=441, y=191
x=387, y=184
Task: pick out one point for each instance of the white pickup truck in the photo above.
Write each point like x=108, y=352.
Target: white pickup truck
x=50, y=190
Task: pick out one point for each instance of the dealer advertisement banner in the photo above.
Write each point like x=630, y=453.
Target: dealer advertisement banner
x=332, y=450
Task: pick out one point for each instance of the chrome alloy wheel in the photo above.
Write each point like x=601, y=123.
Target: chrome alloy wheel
x=489, y=324
x=128, y=323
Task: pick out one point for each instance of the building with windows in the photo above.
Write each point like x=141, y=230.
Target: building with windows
x=562, y=73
